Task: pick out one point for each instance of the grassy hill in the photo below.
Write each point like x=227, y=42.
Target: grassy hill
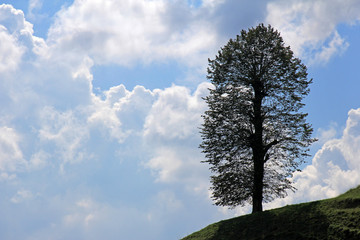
x=335, y=218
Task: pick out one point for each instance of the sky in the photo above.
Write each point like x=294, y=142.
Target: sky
x=101, y=103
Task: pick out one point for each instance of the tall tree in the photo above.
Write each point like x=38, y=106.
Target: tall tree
x=254, y=133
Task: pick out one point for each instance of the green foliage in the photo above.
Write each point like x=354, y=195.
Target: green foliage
x=254, y=133
x=337, y=218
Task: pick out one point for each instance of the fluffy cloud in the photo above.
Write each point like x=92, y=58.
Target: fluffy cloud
x=325, y=135
x=151, y=31
x=172, y=132
x=334, y=169
x=122, y=112
x=310, y=26
x=176, y=113
x=10, y=50
x=16, y=35
x=67, y=132
x=131, y=31
x=161, y=123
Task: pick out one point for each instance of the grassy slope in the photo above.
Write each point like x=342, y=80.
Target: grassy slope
x=336, y=218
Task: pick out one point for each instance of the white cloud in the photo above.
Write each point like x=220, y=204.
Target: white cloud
x=164, y=125
x=176, y=113
x=67, y=131
x=172, y=133
x=337, y=45
x=324, y=135
x=309, y=27
x=334, y=169
x=166, y=163
x=212, y=3
x=16, y=35
x=10, y=52
x=34, y=5
x=158, y=31
x=131, y=31
x=122, y=112
x=83, y=70
x=11, y=21
x=11, y=156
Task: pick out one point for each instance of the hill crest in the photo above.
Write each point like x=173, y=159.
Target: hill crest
x=335, y=218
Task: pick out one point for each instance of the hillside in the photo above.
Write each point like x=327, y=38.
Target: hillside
x=335, y=218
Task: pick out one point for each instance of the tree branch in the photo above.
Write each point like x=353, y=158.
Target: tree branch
x=268, y=146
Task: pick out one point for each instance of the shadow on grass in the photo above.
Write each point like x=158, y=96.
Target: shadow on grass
x=293, y=222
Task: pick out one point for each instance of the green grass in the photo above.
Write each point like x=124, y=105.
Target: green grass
x=335, y=218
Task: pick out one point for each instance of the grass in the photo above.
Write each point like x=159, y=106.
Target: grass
x=335, y=218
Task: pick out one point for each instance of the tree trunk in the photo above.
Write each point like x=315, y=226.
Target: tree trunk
x=258, y=148
x=258, y=183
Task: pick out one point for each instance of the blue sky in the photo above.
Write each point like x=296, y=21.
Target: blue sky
x=101, y=103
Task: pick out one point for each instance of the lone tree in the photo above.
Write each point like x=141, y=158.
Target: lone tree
x=254, y=134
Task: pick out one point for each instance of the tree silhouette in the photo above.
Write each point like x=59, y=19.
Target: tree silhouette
x=254, y=133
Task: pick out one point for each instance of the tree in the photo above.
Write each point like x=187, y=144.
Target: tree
x=254, y=133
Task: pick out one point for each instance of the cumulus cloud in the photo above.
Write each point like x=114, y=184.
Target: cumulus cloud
x=67, y=132
x=16, y=35
x=334, y=169
x=131, y=31
x=10, y=50
x=166, y=164
x=176, y=113
x=324, y=135
x=164, y=124
x=13, y=20
x=172, y=132
x=151, y=31
x=310, y=27
x=121, y=112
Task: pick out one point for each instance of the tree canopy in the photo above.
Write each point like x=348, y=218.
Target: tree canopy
x=255, y=134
